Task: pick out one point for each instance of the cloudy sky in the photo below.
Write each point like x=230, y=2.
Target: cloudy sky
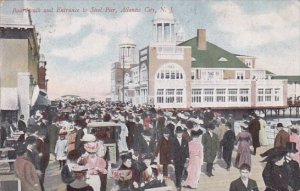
x=80, y=47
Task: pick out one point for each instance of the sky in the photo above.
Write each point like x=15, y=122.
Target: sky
x=81, y=46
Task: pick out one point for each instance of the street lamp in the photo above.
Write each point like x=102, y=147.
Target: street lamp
x=123, y=71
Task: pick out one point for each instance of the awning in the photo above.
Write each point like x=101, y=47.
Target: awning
x=39, y=97
x=9, y=99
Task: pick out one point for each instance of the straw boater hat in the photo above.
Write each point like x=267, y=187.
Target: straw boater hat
x=88, y=138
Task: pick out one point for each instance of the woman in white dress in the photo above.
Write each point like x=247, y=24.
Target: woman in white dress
x=263, y=139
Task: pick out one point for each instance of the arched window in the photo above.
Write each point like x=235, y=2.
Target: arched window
x=170, y=71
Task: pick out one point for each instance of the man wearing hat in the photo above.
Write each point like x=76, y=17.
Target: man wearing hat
x=227, y=143
x=282, y=136
x=164, y=150
x=254, y=128
x=210, y=144
x=26, y=171
x=180, y=155
x=130, y=124
x=22, y=124
x=146, y=144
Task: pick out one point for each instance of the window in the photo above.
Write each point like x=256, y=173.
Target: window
x=248, y=63
x=159, y=32
x=160, y=95
x=208, y=95
x=179, y=93
x=170, y=95
x=220, y=95
x=232, y=95
x=144, y=75
x=170, y=71
x=268, y=93
x=244, y=95
x=276, y=94
x=196, y=95
x=260, y=95
x=240, y=75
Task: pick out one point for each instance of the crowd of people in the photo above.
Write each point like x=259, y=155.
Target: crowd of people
x=149, y=141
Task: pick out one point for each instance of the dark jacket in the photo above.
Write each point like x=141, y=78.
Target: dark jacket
x=293, y=170
x=180, y=152
x=33, y=156
x=22, y=125
x=210, y=147
x=254, y=127
x=78, y=143
x=281, y=138
x=228, y=140
x=130, y=138
x=164, y=149
x=238, y=185
x=143, y=148
x=275, y=177
x=66, y=175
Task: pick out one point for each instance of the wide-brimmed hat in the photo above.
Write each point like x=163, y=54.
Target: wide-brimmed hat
x=62, y=132
x=91, y=147
x=179, y=129
x=147, y=156
x=196, y=133
x=274, y=153
x=88, y=138
x=291, y=147
x=79, y=168
x=262, y=115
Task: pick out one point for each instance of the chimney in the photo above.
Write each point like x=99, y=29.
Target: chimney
x=201, y=39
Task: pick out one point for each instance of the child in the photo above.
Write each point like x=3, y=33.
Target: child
x=61, y=148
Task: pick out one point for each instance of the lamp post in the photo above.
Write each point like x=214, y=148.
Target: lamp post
x=123, y=71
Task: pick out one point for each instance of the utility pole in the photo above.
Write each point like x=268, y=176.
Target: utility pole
x=123, y=61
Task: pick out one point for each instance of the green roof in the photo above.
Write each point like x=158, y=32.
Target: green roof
x=291, y=79
x=213, y=57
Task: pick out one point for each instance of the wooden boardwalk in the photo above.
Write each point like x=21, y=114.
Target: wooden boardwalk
x=219, y=182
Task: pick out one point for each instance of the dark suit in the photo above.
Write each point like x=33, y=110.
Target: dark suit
x=78, y=143
x=238, y=185
x=180, y=152
x=145, y=148
x=164, y=150
x=22, y=125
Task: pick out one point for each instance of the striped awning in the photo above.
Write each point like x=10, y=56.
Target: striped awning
x=9, y=99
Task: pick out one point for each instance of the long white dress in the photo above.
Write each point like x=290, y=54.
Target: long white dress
x=263, y=139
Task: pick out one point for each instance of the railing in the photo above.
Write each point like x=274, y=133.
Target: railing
x=170, y=52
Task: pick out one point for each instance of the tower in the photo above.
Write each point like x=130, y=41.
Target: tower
x=127, y=51
x=164, y=25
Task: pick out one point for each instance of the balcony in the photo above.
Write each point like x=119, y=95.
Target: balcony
x=170, y=52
